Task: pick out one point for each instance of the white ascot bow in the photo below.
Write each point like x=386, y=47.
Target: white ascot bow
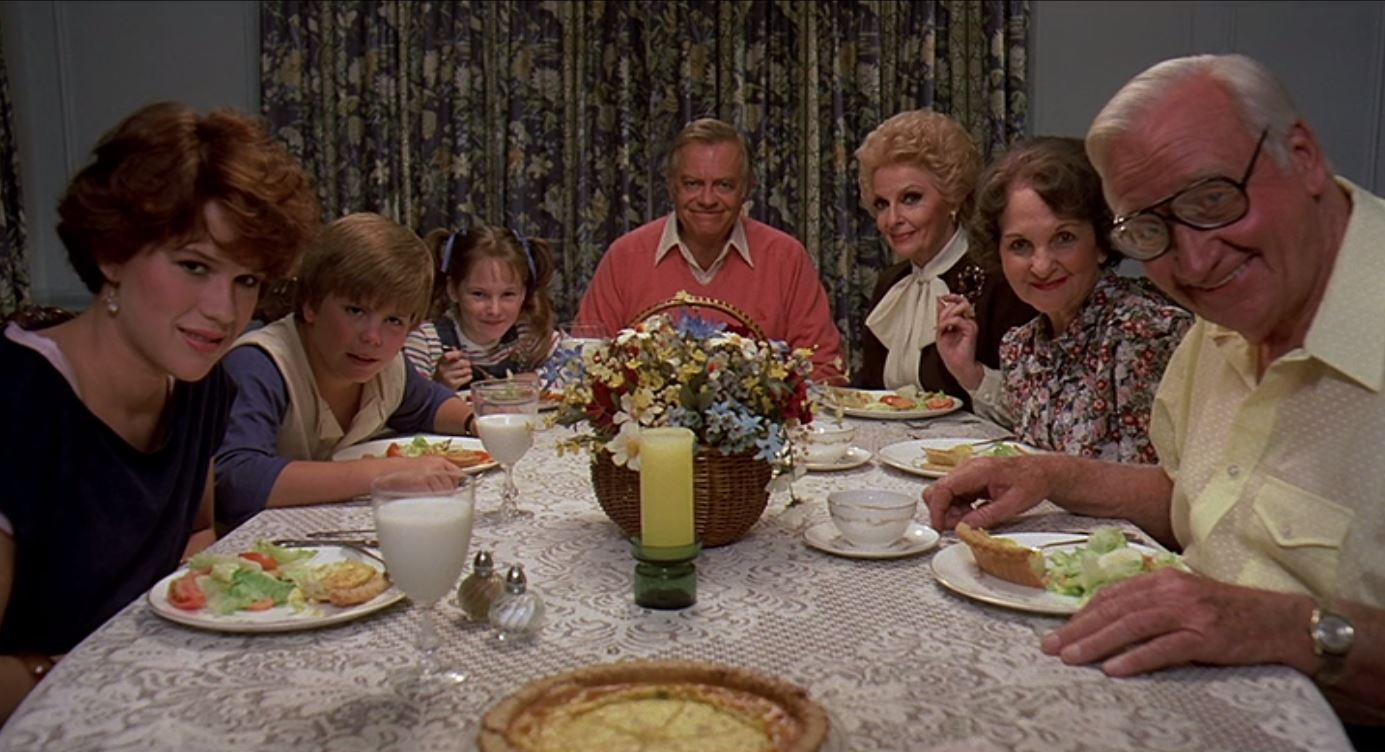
x=906, y=319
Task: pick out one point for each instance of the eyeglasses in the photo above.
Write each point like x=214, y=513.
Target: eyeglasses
x=1208, y=204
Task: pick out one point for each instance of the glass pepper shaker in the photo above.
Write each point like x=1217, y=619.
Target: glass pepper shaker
x=518, y=612
x=480, y=588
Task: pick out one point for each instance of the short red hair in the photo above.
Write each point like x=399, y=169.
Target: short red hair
x=152, y=175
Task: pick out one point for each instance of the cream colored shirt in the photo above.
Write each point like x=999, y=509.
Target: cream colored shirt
x=670, y=240
x=310, y=430
x=1279, y=482
x=906, y=318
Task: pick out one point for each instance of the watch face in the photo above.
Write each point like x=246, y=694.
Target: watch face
x=1334, y=633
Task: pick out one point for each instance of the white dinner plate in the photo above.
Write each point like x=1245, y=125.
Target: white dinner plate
x=908, y=455
x=378, y=447
x=876, y=394
x=917, y=539
x=854, y=457
x=955, y=569
x=279, y=618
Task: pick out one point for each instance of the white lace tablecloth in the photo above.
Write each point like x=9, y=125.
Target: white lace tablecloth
x=899, y=662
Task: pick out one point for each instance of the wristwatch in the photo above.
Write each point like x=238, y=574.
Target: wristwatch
x=1332, y=636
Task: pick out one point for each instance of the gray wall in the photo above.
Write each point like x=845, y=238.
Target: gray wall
x=1330, y=54
x=76, y=68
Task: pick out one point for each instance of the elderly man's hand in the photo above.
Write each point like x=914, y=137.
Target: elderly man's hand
x=1012, y=484
x=1171, y=618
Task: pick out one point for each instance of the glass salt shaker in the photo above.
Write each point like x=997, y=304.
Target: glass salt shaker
x=480, y=588
x=518, y=612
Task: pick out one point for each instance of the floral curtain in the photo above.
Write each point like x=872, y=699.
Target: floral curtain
x=556, y=115
x=14, y=265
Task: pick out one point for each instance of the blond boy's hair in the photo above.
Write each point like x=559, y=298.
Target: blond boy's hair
x=371, y=260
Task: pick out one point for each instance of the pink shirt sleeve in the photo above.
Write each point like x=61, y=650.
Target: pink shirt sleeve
x=811, y=322
x=602, y=304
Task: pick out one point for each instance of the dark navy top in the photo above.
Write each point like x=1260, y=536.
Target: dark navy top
x=249, y=463
x=96, y=522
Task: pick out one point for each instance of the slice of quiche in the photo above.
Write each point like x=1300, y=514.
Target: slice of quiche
x=946, y=459
x=1003, y=558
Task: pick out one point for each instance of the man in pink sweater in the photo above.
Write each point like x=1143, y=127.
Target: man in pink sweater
x=707, y=248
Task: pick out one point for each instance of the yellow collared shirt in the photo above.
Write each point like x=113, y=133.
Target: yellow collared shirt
x=1279, y=482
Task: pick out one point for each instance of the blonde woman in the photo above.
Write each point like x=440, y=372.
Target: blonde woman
x=917, y=173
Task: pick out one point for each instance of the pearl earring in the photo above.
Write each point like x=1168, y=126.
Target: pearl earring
x=112, y=304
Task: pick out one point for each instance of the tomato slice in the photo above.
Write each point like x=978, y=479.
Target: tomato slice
x=264, y=604
x=938, y=403
x=897, y=402
x=267, y=563
x=394, y=450
x=186, y=594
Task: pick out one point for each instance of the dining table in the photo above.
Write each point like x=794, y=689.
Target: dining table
x=897, y=660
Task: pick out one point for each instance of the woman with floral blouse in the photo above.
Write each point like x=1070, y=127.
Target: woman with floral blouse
x=1080, y=377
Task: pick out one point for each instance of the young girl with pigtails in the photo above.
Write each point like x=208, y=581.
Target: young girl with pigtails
x=496, y=315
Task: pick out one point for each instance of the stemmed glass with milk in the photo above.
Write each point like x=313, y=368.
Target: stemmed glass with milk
x=507, y=414
x=423, y=520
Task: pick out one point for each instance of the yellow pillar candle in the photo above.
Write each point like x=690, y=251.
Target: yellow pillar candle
x=666, y=487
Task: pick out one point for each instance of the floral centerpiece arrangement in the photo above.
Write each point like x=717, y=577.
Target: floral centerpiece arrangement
x=737, y=394
x=740, y=396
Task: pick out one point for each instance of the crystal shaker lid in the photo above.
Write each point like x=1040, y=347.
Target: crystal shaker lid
x=515, y=581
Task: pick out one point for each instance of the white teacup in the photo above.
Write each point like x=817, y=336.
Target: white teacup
x=827, y=441
x=871, y=518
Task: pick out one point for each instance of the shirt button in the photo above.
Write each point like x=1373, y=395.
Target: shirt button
x=1234, y=471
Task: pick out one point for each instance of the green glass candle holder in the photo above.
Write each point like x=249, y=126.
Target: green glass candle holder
x=665, y=576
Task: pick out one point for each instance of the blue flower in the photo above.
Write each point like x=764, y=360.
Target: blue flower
x=747, y=423
x=682, y=417
x=692, y=325
x=771, y=445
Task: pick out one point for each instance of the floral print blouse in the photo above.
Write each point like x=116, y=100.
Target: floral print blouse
x=1089, y=391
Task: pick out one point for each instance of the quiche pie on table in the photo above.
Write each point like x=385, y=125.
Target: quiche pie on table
x=1004, y=558
x=656, y=706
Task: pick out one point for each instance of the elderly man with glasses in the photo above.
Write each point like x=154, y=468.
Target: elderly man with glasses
x=1270, y=420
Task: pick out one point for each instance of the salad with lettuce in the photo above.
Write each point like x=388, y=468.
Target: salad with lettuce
x=1002, y=449
x=1106, y=558
x=258, y=579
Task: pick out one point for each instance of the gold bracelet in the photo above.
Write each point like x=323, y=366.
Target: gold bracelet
x=37, y=664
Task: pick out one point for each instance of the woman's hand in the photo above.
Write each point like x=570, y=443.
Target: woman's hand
x=453, y=371
x=956, y=340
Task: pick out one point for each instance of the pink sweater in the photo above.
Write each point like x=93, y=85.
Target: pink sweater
x=782, y=292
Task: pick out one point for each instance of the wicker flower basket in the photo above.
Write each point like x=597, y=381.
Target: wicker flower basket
x=729, y=495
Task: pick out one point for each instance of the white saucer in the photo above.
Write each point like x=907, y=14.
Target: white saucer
x=854, y=457
x=917, y=539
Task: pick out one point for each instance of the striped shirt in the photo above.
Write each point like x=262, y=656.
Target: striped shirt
x=424, y=347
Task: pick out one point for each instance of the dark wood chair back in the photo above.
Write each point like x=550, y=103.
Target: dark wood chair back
x=33, y=317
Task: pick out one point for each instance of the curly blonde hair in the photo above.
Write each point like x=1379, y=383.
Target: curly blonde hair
x=930, y=141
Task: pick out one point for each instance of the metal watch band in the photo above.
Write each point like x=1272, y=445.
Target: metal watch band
x=1333, y=657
